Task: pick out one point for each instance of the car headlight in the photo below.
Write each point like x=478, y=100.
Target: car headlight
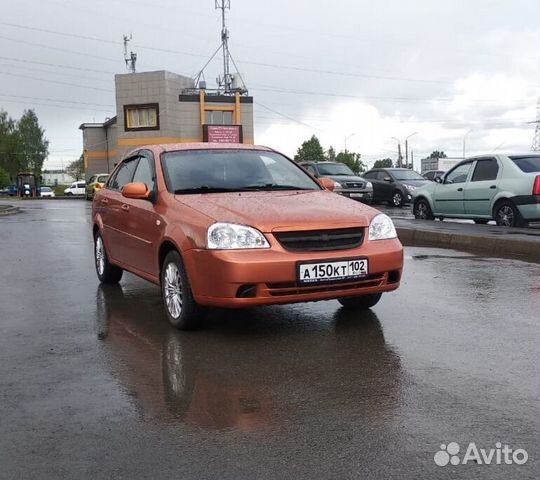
x=337, y=185
x=411, y=188
x=229, y=236
x=382, y=228
x=369, y=185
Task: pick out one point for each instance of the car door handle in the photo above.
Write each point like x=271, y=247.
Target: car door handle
x=104, y=201
x=460, y=189
x=125, y=207
x=493, y=187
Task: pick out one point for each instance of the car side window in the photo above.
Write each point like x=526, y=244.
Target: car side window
x=370, y=175
x=124, y=174
x=459, y=174
x=145, y=173
x=382, y=175
x=310, y=169
x=487, y=169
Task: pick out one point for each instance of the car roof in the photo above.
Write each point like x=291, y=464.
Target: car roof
x=174, y=147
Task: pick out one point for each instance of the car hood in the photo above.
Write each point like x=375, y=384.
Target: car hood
x=275, y=211
x=415, y=183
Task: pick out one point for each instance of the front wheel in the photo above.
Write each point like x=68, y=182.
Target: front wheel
x=422, y=210
x=397, y=199
x=182, y=310
x=362, y=302
x=106, y=271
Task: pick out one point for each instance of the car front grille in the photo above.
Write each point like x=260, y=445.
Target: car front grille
x=354, y=185
x=321, y=240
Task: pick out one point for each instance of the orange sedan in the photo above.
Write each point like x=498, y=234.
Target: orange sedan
x=236, y=226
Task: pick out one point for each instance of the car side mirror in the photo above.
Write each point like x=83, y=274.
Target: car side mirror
x=388, y=179
x=327, y=183
x=438, y=180
x=136, y=190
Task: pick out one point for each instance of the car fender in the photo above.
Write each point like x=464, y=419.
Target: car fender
x=501, y=195
x=424, y=194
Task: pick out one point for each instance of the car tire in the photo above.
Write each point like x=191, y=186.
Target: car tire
x=106, y=271
x=397, y=199
x=362, y=302
x=481, y=222
x=181, y=308
x=506, y=214
x=422, y=210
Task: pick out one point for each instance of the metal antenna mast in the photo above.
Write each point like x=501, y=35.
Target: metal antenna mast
x=536, y=140
x=226, y=82
x=130, y=59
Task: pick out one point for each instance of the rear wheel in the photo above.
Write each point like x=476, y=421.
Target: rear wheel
x=422, y=210
x=506, y=214
x=182, y=310
x=106, y=271
x=362, y=302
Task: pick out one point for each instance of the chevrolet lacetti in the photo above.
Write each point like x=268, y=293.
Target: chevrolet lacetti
x=232, y=225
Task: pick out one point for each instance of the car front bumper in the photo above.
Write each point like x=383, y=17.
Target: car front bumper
x=243, y=278
x=365, y=196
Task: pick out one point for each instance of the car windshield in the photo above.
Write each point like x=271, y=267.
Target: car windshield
x=334, y=169
x=211, y=171
x=527, y=164
x=401, y=175
x=45, y=189
x=103, y=179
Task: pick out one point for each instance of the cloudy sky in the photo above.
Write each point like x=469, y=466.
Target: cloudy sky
x=353, y=71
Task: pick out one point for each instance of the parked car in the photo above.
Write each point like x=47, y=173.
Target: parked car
x=431, y=175
x=237, y=226
x=347, y=183
x=395, y=186
x=76, y=188
x=46, y=192
x=95, y=183
x=505, y=188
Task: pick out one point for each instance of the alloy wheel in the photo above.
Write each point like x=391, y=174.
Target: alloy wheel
x=506, y=216
x=172, y=288
x=100, y=255
x=397, y=199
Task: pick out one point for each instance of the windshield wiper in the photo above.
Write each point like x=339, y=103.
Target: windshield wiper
x=208, y=189
x=275, y=186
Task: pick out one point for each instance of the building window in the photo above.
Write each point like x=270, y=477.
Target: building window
x=141, y=117
x=219, y=117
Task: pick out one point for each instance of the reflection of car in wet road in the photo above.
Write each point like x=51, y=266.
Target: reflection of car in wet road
x=218, y=384
x=238, y=226
x=504, y=188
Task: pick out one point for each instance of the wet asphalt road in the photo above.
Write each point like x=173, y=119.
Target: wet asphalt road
x=94, y=383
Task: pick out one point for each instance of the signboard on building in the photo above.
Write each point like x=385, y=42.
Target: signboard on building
x=223, y=133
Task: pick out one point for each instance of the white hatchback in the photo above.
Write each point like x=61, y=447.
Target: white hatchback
x=76, y=188
x=46, y=192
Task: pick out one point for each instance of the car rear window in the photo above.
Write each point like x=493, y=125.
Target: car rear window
x=527, y=163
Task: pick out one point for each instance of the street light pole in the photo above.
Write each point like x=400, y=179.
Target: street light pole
x=464, y=139
x=407, y=149
x=399, y=159
x=347, y=138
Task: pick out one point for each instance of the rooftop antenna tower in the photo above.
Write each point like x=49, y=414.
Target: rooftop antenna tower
x=536, y=140
x=225, y=82
x=130, y=59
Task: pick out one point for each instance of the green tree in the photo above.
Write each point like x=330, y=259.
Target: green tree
x=32, y=141
x=352, y=160
x=331, y=154
x=310, y=150
x=437, y=154
x=11, y=159
x=383, y=163
x=76, y=168
x=4, y=178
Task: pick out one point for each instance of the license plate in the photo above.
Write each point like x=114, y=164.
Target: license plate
x=357, y=195
x=335, y=271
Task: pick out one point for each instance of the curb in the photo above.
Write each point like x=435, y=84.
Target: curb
x=501, y=246
x=8, y=210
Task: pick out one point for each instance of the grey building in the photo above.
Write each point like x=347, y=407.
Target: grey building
x=162, y=107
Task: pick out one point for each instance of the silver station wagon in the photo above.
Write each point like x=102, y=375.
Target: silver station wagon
x=504, y=188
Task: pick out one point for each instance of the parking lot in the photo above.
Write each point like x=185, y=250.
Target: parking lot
x=95, y=383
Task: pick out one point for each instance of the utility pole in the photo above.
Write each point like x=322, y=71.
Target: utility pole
x=535, y=147
x=400, y=158
x=407, y=149
x=130, y=59
x=225, y=82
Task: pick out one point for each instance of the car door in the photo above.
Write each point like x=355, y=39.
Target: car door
x=142, y=223
x=115, y=219
x=386, y=185
x=482, y=187
x=448, y=196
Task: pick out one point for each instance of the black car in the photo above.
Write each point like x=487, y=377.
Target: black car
x=395, y=186
x=347, y=183
x=433, y=174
